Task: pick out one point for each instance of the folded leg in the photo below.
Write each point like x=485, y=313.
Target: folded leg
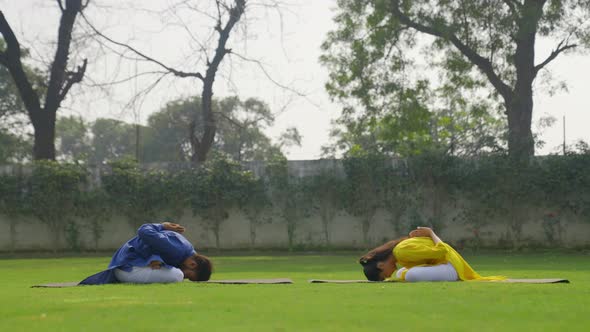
x=147, y=275
x=442, y=272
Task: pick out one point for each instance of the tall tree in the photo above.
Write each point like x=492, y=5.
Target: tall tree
x=202, y=145
x=491, y=41
x=60, y=80
x=226, y=14
x=10, y=104
x=15, y=143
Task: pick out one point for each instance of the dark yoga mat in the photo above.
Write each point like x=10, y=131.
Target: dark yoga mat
x=226, y=282
x=514, y=281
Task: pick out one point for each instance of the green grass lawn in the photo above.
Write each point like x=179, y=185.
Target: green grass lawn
x=459, y=306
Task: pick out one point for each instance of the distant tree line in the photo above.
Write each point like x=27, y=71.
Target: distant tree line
x=240, y=134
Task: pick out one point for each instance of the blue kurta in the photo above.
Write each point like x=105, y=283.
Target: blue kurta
x=152, y=243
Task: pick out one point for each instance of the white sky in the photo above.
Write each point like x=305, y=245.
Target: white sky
x=289, y=47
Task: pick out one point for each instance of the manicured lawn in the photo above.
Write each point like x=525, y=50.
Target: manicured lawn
x=460, y=306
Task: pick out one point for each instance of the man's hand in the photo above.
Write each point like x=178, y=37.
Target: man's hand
x=155, y=265
x=421, y=232
x=173, y=227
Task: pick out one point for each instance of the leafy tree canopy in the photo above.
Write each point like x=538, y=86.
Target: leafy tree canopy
x=422, y=69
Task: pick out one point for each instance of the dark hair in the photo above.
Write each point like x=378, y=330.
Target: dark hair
x=373, y=257
x=204, y=267
x=371, y=271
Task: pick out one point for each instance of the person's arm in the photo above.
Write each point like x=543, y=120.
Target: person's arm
x=154, y=236
x=421, y=252
x=152, y=230
x=387, y=247
x=426, y=232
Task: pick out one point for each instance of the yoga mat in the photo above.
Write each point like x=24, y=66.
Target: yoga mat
x=251, y=281
x=56, y=285
x=514, y=281
x=226, y=282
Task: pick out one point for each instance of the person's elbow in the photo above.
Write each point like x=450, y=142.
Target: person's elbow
x=149, y=229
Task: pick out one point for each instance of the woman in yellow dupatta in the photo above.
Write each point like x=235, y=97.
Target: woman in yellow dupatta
x=423, y=250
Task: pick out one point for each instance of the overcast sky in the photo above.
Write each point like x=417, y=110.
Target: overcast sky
x=288, y=44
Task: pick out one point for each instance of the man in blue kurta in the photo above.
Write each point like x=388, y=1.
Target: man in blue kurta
x=158, y=254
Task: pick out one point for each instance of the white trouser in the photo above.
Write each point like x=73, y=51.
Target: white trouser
x=442, y=272
x=145, y=275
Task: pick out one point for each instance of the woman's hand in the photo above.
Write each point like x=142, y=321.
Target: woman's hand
x=421, y=232
x=425, y=232
x=173, y=227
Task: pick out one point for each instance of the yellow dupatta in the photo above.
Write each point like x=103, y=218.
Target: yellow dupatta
x=421, y=251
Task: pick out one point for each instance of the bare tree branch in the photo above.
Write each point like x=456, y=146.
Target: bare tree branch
x=225, y=15
x=145, y=91
x=561, y=47
x=202, y=47
x=202, y=146
x=176, y=72
x=61, y=5
x=58, y=85
x=126, y=79
x=237, y=123
x=218, y=5
x=11, y=58
x=73, y=78
x=266, y=73
x=84, y=5
x=57, y=74
x=445, y=32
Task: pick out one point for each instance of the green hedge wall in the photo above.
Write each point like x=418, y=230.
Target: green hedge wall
x=414, y=192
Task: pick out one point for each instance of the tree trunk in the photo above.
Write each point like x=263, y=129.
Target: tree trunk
x=520, y=137
x=519, y=105
x=44, y=147
x=201, y=147
x=58, y=85
x=210, y=126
